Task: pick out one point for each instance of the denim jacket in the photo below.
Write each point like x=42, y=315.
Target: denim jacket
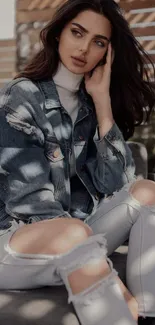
x=36, y=139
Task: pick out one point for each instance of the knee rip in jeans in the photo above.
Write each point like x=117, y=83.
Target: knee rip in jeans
x=93, y=248
x=144, y=192
x=129, y=187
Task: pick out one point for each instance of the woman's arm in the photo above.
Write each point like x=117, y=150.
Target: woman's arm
x=98, y=87
x=113, y=166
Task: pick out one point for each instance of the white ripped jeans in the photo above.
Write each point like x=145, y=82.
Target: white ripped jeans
x=115, y=220
x=120, y=218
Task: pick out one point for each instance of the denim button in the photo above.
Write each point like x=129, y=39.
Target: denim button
x=56, y=154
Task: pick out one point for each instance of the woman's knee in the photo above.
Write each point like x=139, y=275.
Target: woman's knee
x=143, y=191
x=51, y=237
x=74, y=233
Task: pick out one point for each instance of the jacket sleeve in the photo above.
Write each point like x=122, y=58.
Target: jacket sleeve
x=112, y=166
x=29, y=192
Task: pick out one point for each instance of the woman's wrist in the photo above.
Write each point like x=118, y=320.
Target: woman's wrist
x=104, y=113
x=103, y=107
x=105, y=127
x=98, y=98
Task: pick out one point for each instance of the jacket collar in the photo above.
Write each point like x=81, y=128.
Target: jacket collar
x=52, y=100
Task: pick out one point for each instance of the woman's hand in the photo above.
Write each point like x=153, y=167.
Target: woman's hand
x=98, y=86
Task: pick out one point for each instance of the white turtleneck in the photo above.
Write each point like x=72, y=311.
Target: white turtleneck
x=67, y=84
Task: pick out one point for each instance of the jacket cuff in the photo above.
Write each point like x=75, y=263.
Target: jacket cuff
x=113, y=140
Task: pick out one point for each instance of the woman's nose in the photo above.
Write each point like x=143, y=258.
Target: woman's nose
x=84, y=47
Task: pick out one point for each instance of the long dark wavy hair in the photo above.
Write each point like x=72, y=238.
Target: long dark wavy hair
x=132, y=93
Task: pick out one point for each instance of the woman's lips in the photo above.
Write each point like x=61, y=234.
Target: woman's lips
x=78, y=61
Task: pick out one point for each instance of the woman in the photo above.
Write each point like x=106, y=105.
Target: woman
x=64, y=122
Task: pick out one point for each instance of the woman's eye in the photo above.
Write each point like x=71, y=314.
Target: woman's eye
x=100, y=44
x=76, y=33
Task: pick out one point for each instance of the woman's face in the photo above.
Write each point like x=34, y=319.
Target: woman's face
x=84, y=41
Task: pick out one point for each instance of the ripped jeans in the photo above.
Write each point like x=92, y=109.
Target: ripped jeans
x=115, y=220
x=120, y=218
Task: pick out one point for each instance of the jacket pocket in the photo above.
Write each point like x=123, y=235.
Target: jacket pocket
x=20, y=125
x=53, y=151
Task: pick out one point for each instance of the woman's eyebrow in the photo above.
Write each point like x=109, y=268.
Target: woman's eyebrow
x=86, y=31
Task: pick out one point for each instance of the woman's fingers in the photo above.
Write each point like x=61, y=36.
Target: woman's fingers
x=109, y=55
x=113, y=56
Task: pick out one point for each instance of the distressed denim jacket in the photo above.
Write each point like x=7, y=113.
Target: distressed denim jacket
x=36, y=139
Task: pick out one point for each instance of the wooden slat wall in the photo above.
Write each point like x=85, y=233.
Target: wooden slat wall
x=141, y=17
x=27, y=16
x=136, y=4
x=42, y=4
x=34, y=10
x=34, y=4
x=7, y=60
x=139, y=13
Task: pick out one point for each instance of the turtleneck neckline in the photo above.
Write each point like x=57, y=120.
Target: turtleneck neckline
x=67, y=79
